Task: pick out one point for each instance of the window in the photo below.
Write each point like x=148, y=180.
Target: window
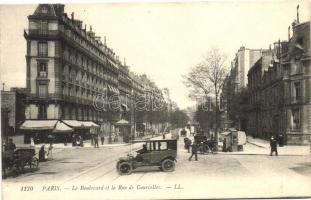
x=296, y=119
x=42, y=69
x=297, y=91
x=43, y=28
x=42, y=49
x=300, y=41
x=42, y=111
x=43, y=91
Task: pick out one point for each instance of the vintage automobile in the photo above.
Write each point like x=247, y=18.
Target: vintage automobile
x=161, y=153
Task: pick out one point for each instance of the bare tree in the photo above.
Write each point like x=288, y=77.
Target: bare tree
x=207, y=77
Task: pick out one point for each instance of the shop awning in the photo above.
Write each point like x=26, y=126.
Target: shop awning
x=89, y=124
x=61, y=128
x=74, y=123
x=225, y=133
x=38, y=125
x=122, y=122
x=80, y=124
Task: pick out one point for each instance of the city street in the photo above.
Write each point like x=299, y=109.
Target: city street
x=233, y=175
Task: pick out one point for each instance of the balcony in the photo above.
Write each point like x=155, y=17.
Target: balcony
x=294, y=100
x=43, y=74
x=40, y=33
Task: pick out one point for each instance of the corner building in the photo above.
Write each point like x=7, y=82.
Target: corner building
x=67, y=67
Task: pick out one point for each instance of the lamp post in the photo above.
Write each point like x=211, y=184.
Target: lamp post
x=133, y=128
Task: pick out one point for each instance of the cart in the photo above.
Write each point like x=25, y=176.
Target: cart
x=20, y=158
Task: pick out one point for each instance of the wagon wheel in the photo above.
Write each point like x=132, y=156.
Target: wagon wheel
x=34, y=163
x=125, y=168
x=168, y=165
x=18, y=166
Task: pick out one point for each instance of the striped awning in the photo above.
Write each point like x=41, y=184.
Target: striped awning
x=38, y=125
x=61, y=127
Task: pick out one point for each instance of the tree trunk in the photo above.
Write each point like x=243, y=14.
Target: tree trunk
x=216, y=117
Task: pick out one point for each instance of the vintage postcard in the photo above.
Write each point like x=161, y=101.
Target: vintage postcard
x=155, y=100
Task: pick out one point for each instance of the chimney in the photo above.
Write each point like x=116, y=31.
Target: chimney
x=91, y=28
x=279, y=48
x=72, y=16
x=288, y=33
x=298, y=14
x=105, y=40
x=84, y=27
x=124, y=62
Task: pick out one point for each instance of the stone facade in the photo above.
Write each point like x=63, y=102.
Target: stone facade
x=279, y=85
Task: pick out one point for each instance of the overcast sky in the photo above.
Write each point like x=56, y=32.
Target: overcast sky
x=162, y=40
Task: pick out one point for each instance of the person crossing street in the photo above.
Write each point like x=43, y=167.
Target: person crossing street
x=194, y=150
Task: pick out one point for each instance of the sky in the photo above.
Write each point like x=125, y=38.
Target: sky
x=164, y=39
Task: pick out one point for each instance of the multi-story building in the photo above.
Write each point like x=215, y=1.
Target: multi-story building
x=67, y=68
x=73, y=76
x=244, y=59
x=255, y=84
x=235, y=81
x=279, y=86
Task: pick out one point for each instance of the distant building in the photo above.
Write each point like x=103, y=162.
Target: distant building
x=234, y=82
x=12, y=110
x=243, y=61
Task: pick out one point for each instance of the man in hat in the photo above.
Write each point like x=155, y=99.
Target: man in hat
x=273, y=146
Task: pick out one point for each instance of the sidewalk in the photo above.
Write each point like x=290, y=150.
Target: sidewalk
x=256, y=146
x=285, y=150
x=19, y=141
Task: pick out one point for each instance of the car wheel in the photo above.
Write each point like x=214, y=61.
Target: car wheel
x=168, y=165
x=125, y=168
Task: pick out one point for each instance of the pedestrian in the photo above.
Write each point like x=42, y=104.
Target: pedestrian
x=194, y=151
x=163, y=136
x=102, y=139
x=10, y=146
x=50, y=153
x=188, y=145
x=96, y=141
x=32, y=142
x=273, y=145
x=183, y=132
x=224, y=145
x=42, y=154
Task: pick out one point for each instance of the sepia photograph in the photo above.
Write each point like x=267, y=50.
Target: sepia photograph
x=155, y=99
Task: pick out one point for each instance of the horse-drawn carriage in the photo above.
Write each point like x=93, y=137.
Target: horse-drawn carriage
x=18, y=159
x=205, y=145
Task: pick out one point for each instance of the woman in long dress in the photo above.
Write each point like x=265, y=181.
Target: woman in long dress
x=50, y=152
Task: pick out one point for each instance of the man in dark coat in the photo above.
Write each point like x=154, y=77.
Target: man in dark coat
x=194, y=151
x=274, y=146
x=188, y=145
x=10, y=146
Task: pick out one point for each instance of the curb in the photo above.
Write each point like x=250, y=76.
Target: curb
x=256, y=144
x=258, y=154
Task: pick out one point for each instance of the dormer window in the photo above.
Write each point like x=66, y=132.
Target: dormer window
x=44, y=10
